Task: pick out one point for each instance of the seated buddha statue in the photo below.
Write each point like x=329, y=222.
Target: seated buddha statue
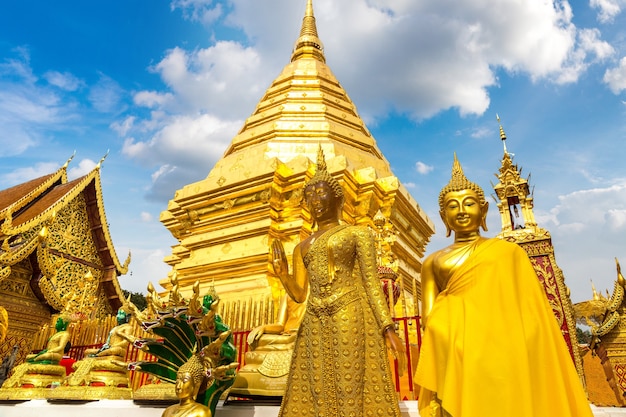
x=491, y=345
x=106, y=366
x=42, y=369
x=270, y=347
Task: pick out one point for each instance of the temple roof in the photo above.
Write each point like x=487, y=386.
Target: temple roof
x=26, y=208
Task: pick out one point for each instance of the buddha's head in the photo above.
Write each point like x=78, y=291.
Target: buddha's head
x=323, y=193
x=189, y=378
x=462, y=204
x=61, y=324
x=122, y=316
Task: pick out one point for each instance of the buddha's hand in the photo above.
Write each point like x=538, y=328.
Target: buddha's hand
x=255, y=334
x=279, y=258
x=396, y=345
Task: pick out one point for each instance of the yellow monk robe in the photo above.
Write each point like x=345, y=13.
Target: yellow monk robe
x=492, y=346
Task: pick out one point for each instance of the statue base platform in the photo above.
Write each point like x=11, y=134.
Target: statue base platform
x=108, y=408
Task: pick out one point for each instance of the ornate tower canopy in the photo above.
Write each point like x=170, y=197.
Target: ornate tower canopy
x=514, y=198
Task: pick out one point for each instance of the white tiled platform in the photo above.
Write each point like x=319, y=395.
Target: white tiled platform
x=124, y=408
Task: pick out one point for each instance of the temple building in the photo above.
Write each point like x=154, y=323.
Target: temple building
x=225, y=223
x=56, y=254
x=515, y=203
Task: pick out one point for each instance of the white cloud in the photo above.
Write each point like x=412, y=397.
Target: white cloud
x=106, y=95
x=616, y=77
x=597, y=210
x=185, y=140
x=198, y=10
x=146, y=217
x=21, y=175
x=423, y=168
x=222, y=79
x=64, y=81
x=84, y=167
x=607, y=9
x=123, y=127
x=152, y=98
x=450, y=51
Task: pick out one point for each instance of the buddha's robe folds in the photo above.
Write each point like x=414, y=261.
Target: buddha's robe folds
x=340, y=365
x=491, y=345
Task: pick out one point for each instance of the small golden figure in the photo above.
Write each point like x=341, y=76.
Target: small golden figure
x=42, y=370
x=53, y=352
x=340, y=363
x=105, y=367
x=491, y=344
x=189, y=378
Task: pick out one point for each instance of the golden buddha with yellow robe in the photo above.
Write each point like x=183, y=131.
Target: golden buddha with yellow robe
x=491, y=344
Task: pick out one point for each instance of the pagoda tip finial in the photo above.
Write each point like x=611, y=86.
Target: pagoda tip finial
x=308, y=44
x=502, y=134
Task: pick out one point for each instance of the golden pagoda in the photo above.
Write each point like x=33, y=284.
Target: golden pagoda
x=515, y=203
x=53, y=234
x=224, y=224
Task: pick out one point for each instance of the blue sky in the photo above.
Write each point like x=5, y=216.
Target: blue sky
x=165, y=85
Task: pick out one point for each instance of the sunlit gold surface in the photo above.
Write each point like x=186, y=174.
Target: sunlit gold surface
x=225, y=223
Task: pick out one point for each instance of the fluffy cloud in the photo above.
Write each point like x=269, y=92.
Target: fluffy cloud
x=21, y=175
x=615, y=78
x=84, y=167
x=64, y=81
x=432, y=55
x=106, y=95
x=607, y=9
x=423, y=168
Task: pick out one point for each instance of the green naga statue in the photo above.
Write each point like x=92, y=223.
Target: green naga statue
x=193, y=348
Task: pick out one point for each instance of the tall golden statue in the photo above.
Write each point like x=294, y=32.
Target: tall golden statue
x=340, y=363
x=491, y=345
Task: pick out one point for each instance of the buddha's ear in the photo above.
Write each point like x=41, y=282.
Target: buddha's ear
x=445, y=222
x=483, y=210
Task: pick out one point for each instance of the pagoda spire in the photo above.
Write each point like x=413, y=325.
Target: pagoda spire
x=308, y=44
x=502, y=134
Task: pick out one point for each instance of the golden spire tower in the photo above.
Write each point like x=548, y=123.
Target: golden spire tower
x=225, y=223
x=515, y=202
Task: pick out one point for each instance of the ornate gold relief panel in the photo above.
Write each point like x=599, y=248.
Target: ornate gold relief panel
x=68, y=254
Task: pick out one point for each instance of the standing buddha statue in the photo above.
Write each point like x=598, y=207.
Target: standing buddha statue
x=491, y=345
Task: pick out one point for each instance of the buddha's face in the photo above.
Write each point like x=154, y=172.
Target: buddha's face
x=462, y=211
x=185, y=385
x=122, y=317
x=321, y=201
x=60, y=325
